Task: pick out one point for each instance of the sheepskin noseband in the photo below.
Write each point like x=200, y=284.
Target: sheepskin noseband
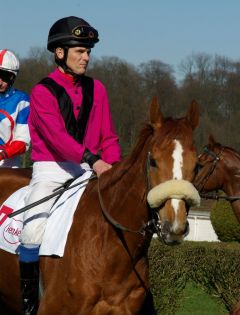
x=173, y=189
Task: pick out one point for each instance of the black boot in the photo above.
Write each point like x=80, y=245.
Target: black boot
x=29, y=272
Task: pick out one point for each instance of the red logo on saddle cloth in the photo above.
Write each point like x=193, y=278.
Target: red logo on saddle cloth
x=4, y=212
x=12, y=230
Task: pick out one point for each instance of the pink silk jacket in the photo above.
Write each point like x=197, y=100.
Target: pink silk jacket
x=49, y=137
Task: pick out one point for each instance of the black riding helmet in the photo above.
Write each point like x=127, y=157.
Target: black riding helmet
x=71, y=32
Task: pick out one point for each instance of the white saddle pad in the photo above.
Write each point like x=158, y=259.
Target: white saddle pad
x=58, y=223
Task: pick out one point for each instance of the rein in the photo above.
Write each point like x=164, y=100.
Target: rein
x=58, y=192
x=112, y=220
x=217, y=197
x=152, y=226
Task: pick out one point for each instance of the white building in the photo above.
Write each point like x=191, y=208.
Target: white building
x=201, y=228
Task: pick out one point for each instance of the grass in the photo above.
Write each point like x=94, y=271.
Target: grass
x=197, y=302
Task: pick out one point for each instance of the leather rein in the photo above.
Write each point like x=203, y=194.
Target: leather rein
x=152, y=226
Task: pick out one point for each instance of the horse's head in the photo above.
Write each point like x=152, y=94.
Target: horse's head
x=206, y=178
x=172, y=161
x=217, y=168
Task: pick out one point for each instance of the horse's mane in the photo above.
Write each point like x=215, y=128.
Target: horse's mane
x=234, y=152
x=142, y=141
x=228, y=149
x=140, y=148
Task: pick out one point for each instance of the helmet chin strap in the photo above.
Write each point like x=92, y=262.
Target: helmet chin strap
x=62, y=63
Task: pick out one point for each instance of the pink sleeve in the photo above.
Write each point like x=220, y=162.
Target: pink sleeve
x=46, y=118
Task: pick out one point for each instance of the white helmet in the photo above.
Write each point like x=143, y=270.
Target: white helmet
x=9, y=62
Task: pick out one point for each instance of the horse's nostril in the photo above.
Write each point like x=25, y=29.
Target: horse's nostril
x=166, y=228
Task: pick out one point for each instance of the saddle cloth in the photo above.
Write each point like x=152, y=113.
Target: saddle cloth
x=58, y=224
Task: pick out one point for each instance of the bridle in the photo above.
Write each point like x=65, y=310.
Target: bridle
x=153, y=225
x=216, y=159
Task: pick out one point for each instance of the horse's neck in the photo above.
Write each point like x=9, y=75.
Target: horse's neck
x=231, y=175
x=232, y=186
x=126, y=187
x=231, y=181
x=123, y=196
x=135, y=176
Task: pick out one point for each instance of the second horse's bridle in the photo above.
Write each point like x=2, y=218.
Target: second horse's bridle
x=216, y=159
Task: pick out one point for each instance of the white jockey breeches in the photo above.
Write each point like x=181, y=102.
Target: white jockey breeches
x=46, y=177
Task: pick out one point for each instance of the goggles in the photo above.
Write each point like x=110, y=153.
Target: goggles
x=6, y=76
x=85, y=32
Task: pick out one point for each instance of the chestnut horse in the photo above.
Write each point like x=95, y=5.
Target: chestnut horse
x=105, y=269
x=219, y=169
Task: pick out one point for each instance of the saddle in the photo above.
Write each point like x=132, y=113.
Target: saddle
x=58, y=224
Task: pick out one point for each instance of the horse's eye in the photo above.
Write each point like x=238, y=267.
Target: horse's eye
x=198, y=167
x=152, y=162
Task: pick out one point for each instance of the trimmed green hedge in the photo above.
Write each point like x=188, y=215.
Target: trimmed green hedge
x=213, y=266
x=224, y=222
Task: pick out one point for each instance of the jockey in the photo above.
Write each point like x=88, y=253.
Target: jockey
x=14, y=111
x=71, y=128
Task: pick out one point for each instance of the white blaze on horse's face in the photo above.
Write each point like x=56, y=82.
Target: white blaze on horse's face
x=172, y=164
x=177, y=174
x=177, y=160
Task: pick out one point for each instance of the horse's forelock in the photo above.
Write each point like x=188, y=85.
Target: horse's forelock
x=178, y=129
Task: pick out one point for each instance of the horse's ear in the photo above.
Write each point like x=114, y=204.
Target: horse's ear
x=211, y=139
x=156, y=116
x=193, y=114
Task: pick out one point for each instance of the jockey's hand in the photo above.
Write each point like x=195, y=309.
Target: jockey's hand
x=100, y=167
